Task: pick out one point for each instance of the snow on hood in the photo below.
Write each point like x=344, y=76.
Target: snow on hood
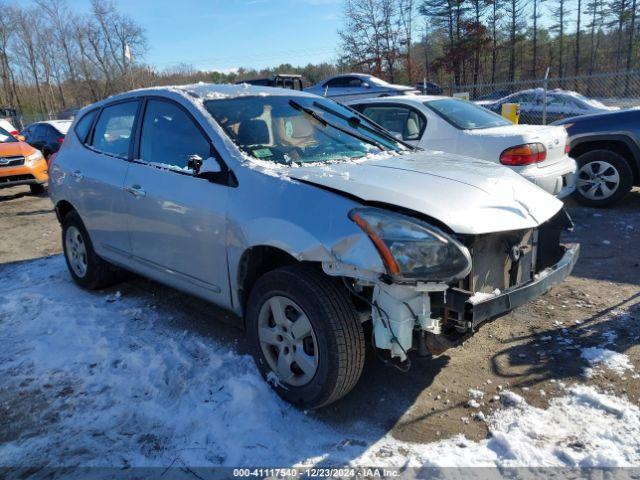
x=469, y=196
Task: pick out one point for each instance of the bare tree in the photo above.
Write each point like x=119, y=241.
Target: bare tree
x=373, y=35
x=515, y=10
x=27, y=23
x=560, y=12
x=534, y=41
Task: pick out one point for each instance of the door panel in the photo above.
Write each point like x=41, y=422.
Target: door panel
x=177, y=221
x=101, y=171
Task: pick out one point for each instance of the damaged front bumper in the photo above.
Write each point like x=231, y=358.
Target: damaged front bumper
x=407, y=316
x=474, y=313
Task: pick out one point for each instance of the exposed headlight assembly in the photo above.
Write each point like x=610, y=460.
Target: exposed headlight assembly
x=412, y=249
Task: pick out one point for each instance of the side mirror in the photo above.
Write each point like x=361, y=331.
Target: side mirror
x=20, y=138
x=209, y=165
x=366, y=85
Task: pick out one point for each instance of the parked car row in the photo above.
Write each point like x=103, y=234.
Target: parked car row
x=415, y=217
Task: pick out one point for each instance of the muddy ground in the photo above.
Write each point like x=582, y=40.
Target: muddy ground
x=534, y=351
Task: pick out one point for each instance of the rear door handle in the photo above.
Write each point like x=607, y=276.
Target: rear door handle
x=77, y=174
x=136, y=190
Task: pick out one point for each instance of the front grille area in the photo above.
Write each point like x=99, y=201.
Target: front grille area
x=16, y=178
x=502, y=260
x=11, y=161
x=506, y=259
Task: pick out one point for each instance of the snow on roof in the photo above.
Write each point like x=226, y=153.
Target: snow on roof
x=400, y=99
x=61, y=125
x=209, y=91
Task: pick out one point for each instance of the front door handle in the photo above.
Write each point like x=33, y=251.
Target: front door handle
x=77, y=174
x=136, y=190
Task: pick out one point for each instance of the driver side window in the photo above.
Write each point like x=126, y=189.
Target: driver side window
x=170, y=138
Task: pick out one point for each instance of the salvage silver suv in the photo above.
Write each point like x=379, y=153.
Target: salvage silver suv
x=308, y=221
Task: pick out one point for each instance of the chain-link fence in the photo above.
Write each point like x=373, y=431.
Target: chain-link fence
x=558, y=98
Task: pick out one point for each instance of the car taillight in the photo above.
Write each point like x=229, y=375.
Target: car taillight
x=523, y=155
x=567, y=149
x=15, y=133
x=60, y=140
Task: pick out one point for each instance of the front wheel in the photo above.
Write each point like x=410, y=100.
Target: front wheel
x=307, y=340
x=603, y=178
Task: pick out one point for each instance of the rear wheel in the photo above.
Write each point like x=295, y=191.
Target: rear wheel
x=307, y=340
x=603, y=178
x=86, y=268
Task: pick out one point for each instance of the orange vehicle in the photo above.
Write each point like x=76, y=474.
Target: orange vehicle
x=21, y=164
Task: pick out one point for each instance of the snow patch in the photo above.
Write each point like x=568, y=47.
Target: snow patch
x=120, y=384
x=479, y=297
x=614, y=361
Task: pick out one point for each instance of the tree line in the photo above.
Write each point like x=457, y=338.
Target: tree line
x=462, y=42
x=53, y=58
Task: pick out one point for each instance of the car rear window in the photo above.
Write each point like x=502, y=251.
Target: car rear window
x=466, y=115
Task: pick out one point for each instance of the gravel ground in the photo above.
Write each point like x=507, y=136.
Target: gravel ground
x=534, y=351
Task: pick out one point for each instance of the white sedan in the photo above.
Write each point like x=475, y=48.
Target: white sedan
x=539, y=153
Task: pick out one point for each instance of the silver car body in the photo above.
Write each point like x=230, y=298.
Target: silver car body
x=352, y=86
x=195, y=235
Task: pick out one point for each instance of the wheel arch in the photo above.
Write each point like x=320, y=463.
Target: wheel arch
x=256, y=261
x=622, y=144
x=62, y=209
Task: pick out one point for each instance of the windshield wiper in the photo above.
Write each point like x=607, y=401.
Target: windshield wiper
x=324, y=122
x=356, y=122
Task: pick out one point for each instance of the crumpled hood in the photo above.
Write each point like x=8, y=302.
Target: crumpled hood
x=469, y=196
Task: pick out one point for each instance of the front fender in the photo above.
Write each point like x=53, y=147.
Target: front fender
x=308, y=223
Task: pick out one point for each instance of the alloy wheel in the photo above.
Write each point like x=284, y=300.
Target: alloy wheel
x=598, y=180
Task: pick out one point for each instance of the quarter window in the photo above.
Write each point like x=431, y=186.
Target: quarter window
x=112, y=134
x=406, y=123
x=84, y=124
x=170, y=137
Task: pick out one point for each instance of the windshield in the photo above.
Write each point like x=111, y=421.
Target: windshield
x=466, y=115
x=6, y=137
x=291, y=129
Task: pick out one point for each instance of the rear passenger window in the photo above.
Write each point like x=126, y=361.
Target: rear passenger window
x=84, y=124
x=406, y=123
x=112, y=134
x=170, y=137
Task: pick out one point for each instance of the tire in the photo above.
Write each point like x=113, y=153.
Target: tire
x=36, y=189
x=598, y=166
x=335, y=342
x=79, y=252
